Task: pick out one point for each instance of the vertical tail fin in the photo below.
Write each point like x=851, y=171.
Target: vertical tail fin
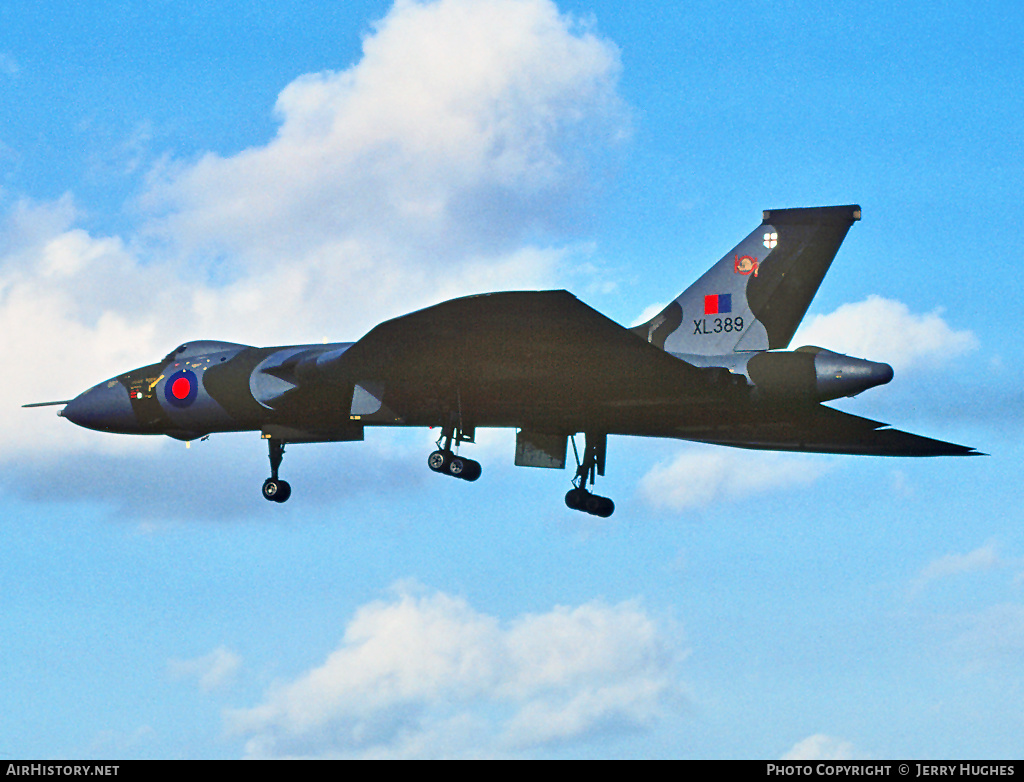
x=755, y=297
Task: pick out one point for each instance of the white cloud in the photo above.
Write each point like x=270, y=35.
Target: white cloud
x=212, y=671
x=981, y=559
x=465, y=125
x=697, y=478
x=649, y=312
x=72, y=307
x=821, y=747
x=425, y=674
x=886, y=330
x=468, y=128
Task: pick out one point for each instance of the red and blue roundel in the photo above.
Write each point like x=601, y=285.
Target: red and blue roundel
x=181, y=388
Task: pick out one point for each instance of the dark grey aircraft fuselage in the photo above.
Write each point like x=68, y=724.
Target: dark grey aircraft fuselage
x=538, y=380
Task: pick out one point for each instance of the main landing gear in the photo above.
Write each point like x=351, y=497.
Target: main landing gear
x=275, y=489
x=578, y=498
x=444, y=460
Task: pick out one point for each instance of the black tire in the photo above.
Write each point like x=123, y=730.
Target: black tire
x=605, y=508
x=276, y=490
x=575, y=498
x=456, y=466
x=471, y=470
x=438, y=461
x=284, y=492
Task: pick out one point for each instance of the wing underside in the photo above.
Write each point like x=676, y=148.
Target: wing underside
x=825, y=430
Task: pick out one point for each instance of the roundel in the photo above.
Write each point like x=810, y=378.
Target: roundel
x=181, y=388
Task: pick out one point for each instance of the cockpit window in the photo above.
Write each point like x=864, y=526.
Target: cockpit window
x=201, y=348
x=174, y=353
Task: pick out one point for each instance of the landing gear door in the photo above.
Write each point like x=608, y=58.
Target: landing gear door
x=536, y=449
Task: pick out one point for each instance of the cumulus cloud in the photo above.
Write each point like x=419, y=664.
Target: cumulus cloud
x=649, y=312
x=981, y=559
x=467, y=127
x=821, y=747
x=886, y=330
x=212, y=671
x=425, y=674
x=696, y=478
x=73, y=306
x=448, y=160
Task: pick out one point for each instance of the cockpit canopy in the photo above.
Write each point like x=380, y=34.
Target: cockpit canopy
x=200, y=347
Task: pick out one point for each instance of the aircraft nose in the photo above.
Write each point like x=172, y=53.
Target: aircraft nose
x=104, y=407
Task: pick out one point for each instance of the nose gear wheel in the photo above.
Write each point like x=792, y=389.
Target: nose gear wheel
x=275, y=489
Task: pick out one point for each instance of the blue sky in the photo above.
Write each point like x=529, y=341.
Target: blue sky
x=294, y=172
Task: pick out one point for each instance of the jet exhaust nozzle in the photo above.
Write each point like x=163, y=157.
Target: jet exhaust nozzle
x=814, y=374
x=837, y=375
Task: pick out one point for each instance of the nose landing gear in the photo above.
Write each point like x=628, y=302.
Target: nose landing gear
x=275, y=489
